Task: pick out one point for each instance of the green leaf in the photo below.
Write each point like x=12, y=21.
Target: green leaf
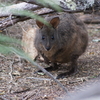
x=29, y=14
x=6, y=39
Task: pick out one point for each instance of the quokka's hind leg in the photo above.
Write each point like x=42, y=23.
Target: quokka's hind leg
x=72, y=67
x=54, y=66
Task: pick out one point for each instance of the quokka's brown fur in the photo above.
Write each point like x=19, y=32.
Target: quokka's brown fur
x=63, y=42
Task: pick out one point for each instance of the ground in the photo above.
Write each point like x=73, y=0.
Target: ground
x=18, y=81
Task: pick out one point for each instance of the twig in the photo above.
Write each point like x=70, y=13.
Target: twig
x=41, y=79
x=8, y=22
x=11, y=70
x=10, y=74
x=25, y=90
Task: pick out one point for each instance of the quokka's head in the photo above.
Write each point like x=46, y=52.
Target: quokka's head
x=48, y=34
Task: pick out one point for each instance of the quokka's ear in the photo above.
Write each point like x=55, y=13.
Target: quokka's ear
x=39, y=24
x=54, y=22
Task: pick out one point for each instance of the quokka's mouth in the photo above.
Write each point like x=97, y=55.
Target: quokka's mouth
x=48, y=49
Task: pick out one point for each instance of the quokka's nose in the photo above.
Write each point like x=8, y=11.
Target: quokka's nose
x=48, y=48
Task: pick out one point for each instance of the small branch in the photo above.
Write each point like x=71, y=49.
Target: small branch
x=41, y=79
x=10, y=74
x=11, y=21
x=90, y=18
x=21, y=91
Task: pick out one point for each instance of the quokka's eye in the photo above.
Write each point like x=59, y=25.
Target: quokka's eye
x=43, y=37
x=52, y=37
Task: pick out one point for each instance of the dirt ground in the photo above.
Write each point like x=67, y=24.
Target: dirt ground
x=18, y=81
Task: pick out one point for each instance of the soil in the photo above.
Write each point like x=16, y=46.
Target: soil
x=18, y=81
